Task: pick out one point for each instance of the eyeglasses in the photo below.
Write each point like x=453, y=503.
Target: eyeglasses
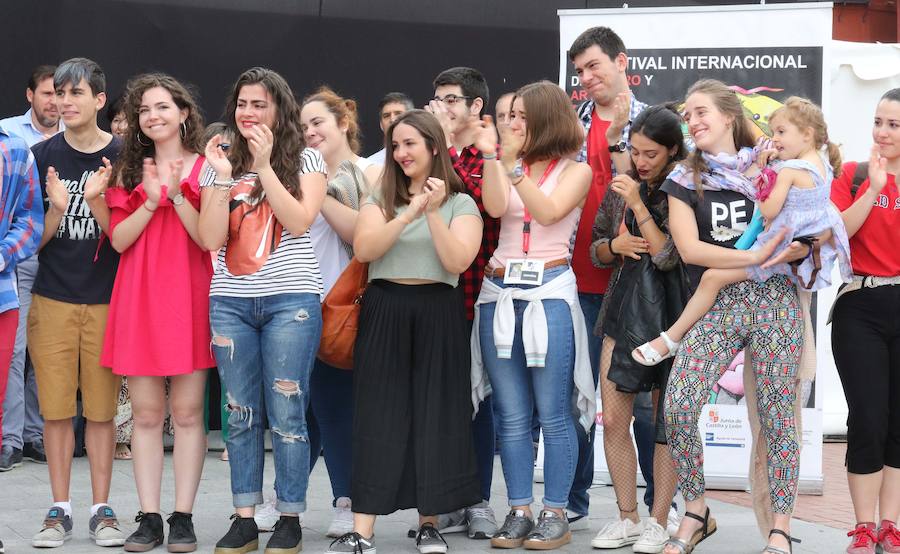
x=451, y=99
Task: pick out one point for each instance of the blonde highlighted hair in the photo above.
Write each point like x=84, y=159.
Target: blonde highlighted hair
x=806, y=115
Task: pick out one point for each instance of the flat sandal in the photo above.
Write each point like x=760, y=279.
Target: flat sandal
x=775, y=549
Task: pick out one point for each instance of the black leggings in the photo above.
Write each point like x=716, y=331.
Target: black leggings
x=865, y=340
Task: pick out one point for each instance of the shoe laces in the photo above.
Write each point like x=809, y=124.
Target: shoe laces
x=615, y=528
x=483, y=512
x=889, y=534
x=353, y=538
x=863, y=536
x=428, y=531
x=180, y=521
x=50, y=521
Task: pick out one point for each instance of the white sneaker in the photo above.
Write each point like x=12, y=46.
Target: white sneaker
x=343, y=519
x=619, y=533
x=266, y=516
x=673, y=522
x=653, y=539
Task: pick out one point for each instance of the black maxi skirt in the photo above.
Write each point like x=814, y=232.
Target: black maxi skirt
x=412, y=414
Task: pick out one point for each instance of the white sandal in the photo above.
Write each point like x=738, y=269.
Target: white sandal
x=646, y=355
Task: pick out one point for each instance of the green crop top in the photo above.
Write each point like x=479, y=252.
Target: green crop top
x=413, y=255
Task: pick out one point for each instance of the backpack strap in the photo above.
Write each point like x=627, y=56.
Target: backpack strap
x=859, y=177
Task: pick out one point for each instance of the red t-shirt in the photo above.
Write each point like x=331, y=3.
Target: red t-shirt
x=591, y=279
x=873, y=249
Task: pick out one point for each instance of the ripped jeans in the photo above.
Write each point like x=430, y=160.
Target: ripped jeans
x=265, y=348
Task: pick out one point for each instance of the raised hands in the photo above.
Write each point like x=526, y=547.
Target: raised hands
x=621, y=114
x=98, y=182
x=175, y=169
x=217, y=159
x=485, y=139
x=57, y=193
x=417, y=205
x=766, y=151
x=260, y=142
x=150, y=181
x=877, y=170
x=442, y=114
x=628, y=189
x=436, y=191
x=511, y=143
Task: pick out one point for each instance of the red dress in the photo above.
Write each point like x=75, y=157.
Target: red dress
x=158, y=321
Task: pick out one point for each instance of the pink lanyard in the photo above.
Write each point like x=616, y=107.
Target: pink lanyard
x=526, y=220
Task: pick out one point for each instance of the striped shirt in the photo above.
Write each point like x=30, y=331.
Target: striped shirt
x=21, y=213
x=291, y=268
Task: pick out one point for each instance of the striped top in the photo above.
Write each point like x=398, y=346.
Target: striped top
x=291, y=268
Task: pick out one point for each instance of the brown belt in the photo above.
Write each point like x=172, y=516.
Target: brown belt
x=501, y=271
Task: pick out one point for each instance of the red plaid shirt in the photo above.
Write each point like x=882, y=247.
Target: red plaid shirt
x=469, y=165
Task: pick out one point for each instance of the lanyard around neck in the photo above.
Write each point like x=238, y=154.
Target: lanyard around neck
x=526, y=220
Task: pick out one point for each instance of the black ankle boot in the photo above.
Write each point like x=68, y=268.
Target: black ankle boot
x=149, y=533
x=242, y=537
x=287, y=537
x=181, y=533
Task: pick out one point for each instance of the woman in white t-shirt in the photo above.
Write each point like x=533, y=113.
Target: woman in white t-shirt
x=329, y=124
x=265, y=311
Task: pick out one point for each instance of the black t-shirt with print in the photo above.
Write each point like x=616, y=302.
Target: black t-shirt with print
x=722, y=217
x=71, y=266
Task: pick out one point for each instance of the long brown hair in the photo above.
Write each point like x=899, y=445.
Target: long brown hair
x=343, y=110
x=806, y=115
x=727, y=102
x=288, y=140
x=553, y=130
x=395, y=183
x=129, y=166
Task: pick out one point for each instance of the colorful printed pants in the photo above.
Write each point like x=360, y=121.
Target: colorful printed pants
x=765, y=318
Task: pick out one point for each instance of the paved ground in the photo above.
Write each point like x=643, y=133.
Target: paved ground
x=25, y=494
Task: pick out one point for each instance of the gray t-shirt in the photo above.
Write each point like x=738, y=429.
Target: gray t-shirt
x=413, y=256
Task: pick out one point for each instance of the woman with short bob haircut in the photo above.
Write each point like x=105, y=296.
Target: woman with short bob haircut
x=412, y=434
x=537, y=190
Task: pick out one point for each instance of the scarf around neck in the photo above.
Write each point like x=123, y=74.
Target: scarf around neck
x=726, y=172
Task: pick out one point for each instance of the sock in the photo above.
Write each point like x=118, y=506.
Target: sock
x=96, y=508
x=66, y=507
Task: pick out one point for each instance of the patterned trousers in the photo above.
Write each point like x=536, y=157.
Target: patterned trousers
x=765, y=318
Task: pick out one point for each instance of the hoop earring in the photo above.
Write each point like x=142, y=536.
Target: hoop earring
x=138, y=136
x=183, y=129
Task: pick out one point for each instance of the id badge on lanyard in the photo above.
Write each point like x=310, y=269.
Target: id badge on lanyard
x=527, y=271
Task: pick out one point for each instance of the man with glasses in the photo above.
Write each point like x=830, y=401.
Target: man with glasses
x=460, y=96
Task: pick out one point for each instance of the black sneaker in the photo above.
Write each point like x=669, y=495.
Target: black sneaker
x=430, y=541
x=287, y=537
x=149, y=533
x=242, y=537
x=181, y=533
x=10, y=457
x=34, y=451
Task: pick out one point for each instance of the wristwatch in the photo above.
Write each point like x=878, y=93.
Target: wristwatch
x=517, y=171
x=178, y=199
x=618, y=147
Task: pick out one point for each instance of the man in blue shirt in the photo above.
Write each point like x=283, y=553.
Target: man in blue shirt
x=23, y=427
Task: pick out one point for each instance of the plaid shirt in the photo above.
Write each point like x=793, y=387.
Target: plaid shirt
x=584, y=115
x=469, y=165
x=21, y=213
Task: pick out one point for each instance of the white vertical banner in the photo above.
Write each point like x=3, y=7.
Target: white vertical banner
x=766, y=53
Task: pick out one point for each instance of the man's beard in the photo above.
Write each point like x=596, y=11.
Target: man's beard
x=47, y=121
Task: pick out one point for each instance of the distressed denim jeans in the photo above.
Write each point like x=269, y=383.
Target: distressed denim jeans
x=265, y=348
x=519, y=389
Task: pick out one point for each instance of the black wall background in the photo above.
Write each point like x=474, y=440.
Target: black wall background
x=362, y=49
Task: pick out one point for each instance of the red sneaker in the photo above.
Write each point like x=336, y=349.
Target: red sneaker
x=889, y=537
x=864, y=539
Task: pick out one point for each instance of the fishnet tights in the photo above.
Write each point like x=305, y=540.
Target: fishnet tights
x=621, y=458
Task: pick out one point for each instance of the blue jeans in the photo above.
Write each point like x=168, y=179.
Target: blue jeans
x=265, y=348
x=645, y=437
x=518, y=389
x=330, y=422
x=22, y=420
x=484, y=436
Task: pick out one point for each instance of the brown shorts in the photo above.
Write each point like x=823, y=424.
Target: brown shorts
x=64, y=342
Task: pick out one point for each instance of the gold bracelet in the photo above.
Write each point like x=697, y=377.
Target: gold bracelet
x=146, y=208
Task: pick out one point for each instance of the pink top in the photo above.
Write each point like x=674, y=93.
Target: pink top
x=158, y=323
x=547, y=242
